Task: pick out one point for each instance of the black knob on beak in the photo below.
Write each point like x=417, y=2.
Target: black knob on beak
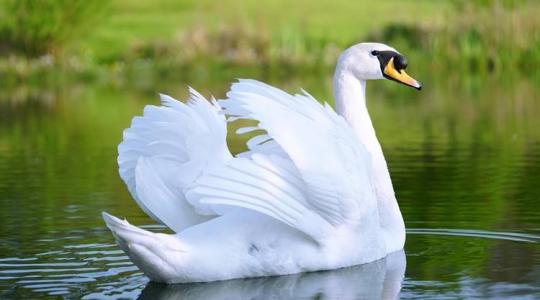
x=400, y=62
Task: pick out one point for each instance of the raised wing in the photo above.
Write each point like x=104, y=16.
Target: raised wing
x=327, y=159
x=167, y=149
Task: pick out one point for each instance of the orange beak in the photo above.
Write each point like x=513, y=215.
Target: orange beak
x=400, y=75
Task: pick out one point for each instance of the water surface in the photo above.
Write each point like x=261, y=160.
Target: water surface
x=464, y=157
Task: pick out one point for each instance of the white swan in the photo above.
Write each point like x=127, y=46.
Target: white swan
x=312, y=193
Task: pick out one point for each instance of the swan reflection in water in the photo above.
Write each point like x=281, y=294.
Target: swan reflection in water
x=380, y=279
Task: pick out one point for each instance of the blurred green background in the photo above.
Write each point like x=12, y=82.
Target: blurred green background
x=42, y=41
x=464, y=153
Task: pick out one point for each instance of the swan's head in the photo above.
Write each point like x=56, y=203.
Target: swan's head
x=370, y=61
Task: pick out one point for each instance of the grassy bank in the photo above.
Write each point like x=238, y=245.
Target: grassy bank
x=149, y=42
x=490, y=36
x=340, y=21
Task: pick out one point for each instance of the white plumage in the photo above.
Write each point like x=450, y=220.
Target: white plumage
x=312, y=192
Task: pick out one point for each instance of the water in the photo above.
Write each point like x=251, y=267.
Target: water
x=464, y=158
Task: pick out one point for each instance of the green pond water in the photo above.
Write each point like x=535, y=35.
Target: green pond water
x=464, y=155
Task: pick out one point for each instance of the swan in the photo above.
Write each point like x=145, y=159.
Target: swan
x=312, y=192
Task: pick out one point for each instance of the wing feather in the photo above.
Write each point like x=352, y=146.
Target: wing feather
x=306, y=168
x=333, y=164
x=167, y=149
x=251, y=184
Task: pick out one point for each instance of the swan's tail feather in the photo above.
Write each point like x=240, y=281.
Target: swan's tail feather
x=151, y=252
x=124, y=232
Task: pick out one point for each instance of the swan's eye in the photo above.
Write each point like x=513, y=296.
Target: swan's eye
x=374, y=52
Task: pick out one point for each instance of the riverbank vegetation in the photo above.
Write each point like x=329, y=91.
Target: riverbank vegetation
x=120, y=41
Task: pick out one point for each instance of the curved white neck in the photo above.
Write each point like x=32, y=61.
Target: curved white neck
x=350, y=100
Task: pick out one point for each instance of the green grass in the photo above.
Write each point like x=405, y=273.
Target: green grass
x=487, y=36
x=340, y=21
x=152, y=41
x=38, y=27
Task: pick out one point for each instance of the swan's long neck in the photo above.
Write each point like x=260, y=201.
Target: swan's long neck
x=350, y=99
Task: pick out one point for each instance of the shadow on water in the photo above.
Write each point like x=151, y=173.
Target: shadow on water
x=377, y=280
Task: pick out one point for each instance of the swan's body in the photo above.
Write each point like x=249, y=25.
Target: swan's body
x=312, y=193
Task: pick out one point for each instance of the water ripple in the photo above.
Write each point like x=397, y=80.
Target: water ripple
x=498, y=235
x=107, y=272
